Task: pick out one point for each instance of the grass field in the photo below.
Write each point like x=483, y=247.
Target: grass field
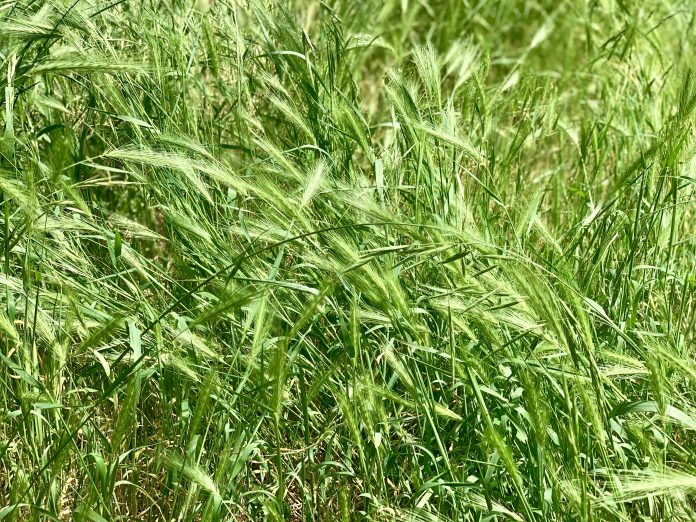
x=423, y=260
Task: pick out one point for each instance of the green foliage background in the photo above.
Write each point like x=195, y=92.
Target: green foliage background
x=387, y=260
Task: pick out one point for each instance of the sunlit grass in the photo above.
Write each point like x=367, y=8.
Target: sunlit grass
x=386, y=260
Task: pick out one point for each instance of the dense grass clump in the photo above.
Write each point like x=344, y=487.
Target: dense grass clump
x=330, y=260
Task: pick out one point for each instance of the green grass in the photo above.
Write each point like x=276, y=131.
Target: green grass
x=386, y=259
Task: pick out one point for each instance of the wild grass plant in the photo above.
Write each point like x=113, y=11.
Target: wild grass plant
x=389, y=260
